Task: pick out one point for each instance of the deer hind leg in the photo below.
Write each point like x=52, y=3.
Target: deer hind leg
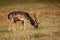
x=11, y=24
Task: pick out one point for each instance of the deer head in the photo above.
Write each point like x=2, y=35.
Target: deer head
x=35, y=17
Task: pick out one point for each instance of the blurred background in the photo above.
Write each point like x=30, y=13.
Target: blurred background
x=47, y=15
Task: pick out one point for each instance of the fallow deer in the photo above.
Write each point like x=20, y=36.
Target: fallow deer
x=21, y=16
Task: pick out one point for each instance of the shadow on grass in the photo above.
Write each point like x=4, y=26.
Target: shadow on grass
x=57, y=33
x=4, y=30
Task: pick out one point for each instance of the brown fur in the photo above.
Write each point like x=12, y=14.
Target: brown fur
x=21, y=16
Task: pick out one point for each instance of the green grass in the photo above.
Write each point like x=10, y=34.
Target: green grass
x=37, y=35
x=4, y=31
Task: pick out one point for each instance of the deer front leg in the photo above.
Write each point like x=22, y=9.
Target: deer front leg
x=25, y=24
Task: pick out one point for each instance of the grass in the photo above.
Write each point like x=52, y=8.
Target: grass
x=48, y=19
x=37, y=35
x=48, y=28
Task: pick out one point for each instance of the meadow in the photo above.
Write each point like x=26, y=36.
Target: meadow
x=48, y=19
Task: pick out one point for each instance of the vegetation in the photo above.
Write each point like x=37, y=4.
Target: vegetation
x=48, y=18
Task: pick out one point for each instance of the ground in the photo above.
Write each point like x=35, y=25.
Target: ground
x=48, y=19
